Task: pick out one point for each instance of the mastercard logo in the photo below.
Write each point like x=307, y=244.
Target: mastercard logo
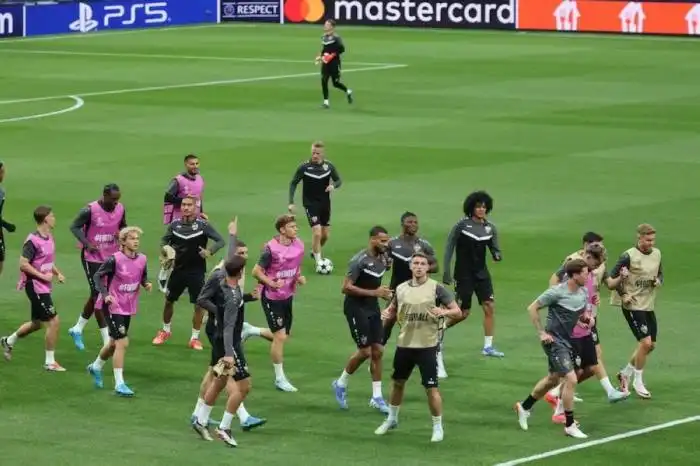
x=299, y=11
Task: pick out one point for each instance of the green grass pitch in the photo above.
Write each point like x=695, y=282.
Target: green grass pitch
x=567, y=133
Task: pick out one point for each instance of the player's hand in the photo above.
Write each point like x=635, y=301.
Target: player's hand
x=624, y=272
x=228, y=360
x=317, y=60
x=439, y=311
x=233, y=226
x=10, y=227
x=330, y=188
x=595, y=300
x=384, y=292
x=301, y=280
x=60, y=278
x=291, y=208
x=497, y=257
x=148, y=286
x=203, y=216
x=627, y=299
x=92, y=247
x=591, y=322
x=109, y=299
x=276, y=284
x=204, y=253
x=255, y=293
x=546, y=338
x=386, y=315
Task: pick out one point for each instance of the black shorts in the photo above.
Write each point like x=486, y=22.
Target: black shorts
x=318, y=214
x=42, y=308
x=90, y=269
x=365, y=325
x=405, y=359
x=118, y=325
x=192, y=280
x=560, y=358
x=584, y=350
x=595, y=334
x=239, y=360
x=2, y=246
x=331, y=70
x=465, y=288
x=278, y=314
x=642, y=324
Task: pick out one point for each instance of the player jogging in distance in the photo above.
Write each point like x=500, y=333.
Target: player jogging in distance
x=189, y=183
x=225, y=297
x=637, y=293
x=419, y=306
x=279, y=272
x=362, y=287
x=37, y=272
x=468, y=241
x=236, y=248
x=4, y=225
x=583, y=342
x=567, y=303
x=119, y=281
x=97, y=229
x=332, y=48
x=320, y=178
x=188, y=236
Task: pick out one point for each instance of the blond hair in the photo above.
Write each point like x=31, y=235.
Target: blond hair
x=126, y=231
x=645, y=229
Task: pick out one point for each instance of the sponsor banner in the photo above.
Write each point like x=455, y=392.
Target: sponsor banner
x=11, y=21
x=654, y=17
x=79, y=17
x=264, y=11
x=466, y=14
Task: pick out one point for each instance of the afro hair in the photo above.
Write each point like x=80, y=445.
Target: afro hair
x=477, y=198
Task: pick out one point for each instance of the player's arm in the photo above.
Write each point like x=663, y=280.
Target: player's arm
x=447, y=300
x=214, y=235
x=122, y=222
x=104, y=274
x=263, y=264
x=296, y=179
x=349, y=287
x=614, y=281
x=340, y=44
x=231, y=310
x=168, y=236
x=335, y=176
x=79, y=224
x=25, y=259
x=205, y=300
x=557, y=277
x=389, y=314
x=144, y=277
x=494, y=246
x=450, y=246
x=171, y=191
x=432, y=260
x=545, y=299
x=660, y=275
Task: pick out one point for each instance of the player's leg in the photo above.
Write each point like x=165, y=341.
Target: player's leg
x=52, y=323
x=176, y=286
x=404, y=362
x=325, y=217
x=427, y=364
x=335, y=77
x=484, y=293
x=217, y=352
x=250, y=330
x=8, y=343
x=313, y=215
x=243, y=382
x=360, y=332
x=375, y=336
x=592, y=366
x=2, y=252
x=121, y=343
x=464, y=289
x=202, y=417
x=567, y=397
x=195, y=283
x=279, y=320
x=641, y=326
x=325, y=77
x=76, y=331
x=235, y=398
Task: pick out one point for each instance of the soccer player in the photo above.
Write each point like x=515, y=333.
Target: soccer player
x=332, y=48
x=119, y=281
x=4, y=225
x=188, y=236
x=469, y=238
x=189, y=183
x=232, y=369
x=37, y=271
x=400, y=250
x=320, y=178
x=97, y=229
x=279, y=272
x=567, y=303
x=362, y=287
x=419, y=305
x=638, y=296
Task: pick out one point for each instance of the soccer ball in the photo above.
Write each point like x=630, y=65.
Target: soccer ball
x=324, y=267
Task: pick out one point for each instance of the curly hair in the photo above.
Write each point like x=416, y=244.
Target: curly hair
x=476, y=198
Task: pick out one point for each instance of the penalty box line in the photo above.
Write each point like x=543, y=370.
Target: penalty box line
x=602, y=441
x=194, y=85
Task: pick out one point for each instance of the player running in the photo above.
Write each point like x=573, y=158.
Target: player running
x=279, y=272
x=97, y=229
x=469, y=238
x=332, y=48
x=362, y=287
x=637, y=293
x=189, y=183
x=37, y=272
x=188, y=237
x=419, y=306
x=567, y=304
x=320, y=178
x=119, y=281
x=4, y=225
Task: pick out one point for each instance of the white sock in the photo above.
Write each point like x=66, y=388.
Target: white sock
x=50, y=358
x=377, y=389
x=105, y=336
x=226, y=421
x=349, y=91
x=166, y=327
x=279, y=372
x=118, y=377
x=560, y=408
x=638, y=381
x=343, y=379
x=12, y=339
x=488, y=342
x=200, y=403
x=607, y=386
x=203, y=414
x=437, y=422
x=242, y=413
x=195, y=335
x=325, y=101
x=98, y=363
x=252, y=329
x=318, y=257
x=556, y=391
x=628, y=370
x=80, y=325
x=393, y=413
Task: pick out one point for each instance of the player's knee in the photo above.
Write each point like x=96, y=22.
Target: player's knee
x=317, y=231
x=646, y=344
x=652, y=346
x=489, y=308
x=377, y=351
x=280, y=336
x=365, y=353
x=399, y=383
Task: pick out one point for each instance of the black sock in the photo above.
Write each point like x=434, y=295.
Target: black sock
x=569, y=418
x=341, y=86
x=528, y=403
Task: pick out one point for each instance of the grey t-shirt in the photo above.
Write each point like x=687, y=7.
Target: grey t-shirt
x=565, y=308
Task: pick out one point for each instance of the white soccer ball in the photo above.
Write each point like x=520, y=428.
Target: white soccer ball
x=324, y=267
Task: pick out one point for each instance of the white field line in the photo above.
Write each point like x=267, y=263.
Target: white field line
x=169, y=57
x=192, y=85
x=78, y=103
x=602, y=441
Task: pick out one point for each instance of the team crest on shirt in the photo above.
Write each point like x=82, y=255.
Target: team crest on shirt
x=487, y=228
x=417, y=248
x=325, y=166
x=195, y=226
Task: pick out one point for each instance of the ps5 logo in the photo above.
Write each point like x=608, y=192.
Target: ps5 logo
x=120, y=15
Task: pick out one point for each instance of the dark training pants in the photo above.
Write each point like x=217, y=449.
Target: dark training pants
x=331, y=71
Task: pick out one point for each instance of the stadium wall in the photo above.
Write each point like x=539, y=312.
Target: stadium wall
x=652, y=17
